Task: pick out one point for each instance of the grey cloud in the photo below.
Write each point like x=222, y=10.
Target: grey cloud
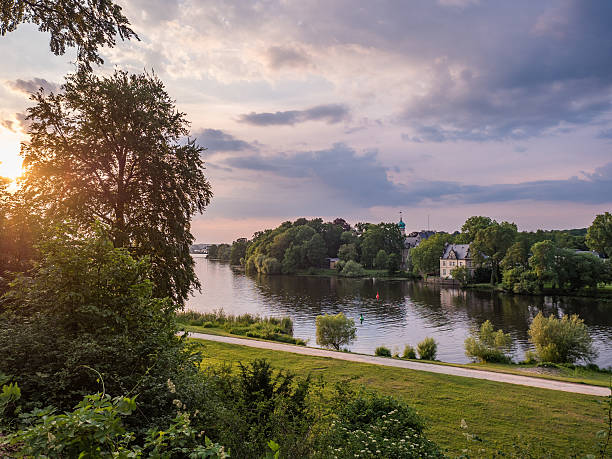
x=605, y=134
x=20, y=123
x=33, y=85
x=216, y=140
x=287, y=56
x=331, y=114
x=363, y=181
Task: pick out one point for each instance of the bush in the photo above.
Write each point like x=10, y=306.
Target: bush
x=87, y=304
x=352, y=269
x=364, y=421
x=427, y=349
x=382, y=351
x=96, y=429
x=409, y=352
x=487, y=345
x=335, y=331
x=564, y=340
x=462, y=275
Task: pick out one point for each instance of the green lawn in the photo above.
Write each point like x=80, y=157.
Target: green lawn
x=497, y=413
x=578, y=375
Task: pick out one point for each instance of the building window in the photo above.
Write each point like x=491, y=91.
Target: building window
x=444, y=272
x=443, y=263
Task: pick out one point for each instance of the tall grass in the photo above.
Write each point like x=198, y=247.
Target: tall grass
x=271, y=328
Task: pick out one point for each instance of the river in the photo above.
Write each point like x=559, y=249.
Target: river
x=405, y=313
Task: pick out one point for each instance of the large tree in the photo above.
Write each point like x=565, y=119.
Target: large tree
x=599, y=235
x=491, y=244
x=426, y=256
x=86, y=24
x=111, y=149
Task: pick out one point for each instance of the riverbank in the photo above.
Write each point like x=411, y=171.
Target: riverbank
x=502, y=415
x=563, y=373
x=602, y=293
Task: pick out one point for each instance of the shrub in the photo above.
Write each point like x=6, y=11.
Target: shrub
x=564, y=340
x=340, y=265
x=335, y=331
x=462, y=275
x=87, y=303
x=352, y=269
x=427, y=349
x=487, y=345
x=409, y=352
x=382, y=351
x=364, y=421
x=96, y=429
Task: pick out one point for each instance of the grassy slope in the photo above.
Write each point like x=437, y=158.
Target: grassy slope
x=577, y=375
x=496, y=412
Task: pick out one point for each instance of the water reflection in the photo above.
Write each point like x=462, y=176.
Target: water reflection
x=405, y=313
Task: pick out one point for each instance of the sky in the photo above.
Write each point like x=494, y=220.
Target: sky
x=361, y=109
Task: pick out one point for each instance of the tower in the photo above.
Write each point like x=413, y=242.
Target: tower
x=401, y=225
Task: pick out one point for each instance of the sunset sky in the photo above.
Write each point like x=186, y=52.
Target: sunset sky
x=360, y=109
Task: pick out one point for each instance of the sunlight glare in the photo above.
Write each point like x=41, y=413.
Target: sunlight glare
x=10, y=161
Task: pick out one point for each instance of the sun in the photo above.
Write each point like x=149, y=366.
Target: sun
x=10, y=161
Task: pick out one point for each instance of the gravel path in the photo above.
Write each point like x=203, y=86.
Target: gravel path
x=420, y=366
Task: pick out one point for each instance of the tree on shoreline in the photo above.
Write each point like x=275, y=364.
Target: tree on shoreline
x=109, y=149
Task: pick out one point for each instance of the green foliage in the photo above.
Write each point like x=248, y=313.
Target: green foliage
x=352, y=269
x=599, y=235
x=95, y=428
x=517, y=256
x=270, y=266
x=491, y=244
x=381, y=260
x=382, y=351
x=245, y=411
x=269, y=328
x=335, y=330
x=409, y=352
x=471, y=227
x=136, y=177
x=426, y=256
x=542, y=261
x=292, y=260
x=488, y=345
x=428, y=348
x=384, y=236
x=578, y=270
x=98, y=24
x=347, y=252
x=564, y=340
x=462, y=275
x=393, y=263
x=315, y=250
x=238, y=251
x=364, y=424
x=87, y=303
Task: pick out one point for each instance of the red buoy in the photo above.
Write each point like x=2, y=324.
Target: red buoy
x=377, y=296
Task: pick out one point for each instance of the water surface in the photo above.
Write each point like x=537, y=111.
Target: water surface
x=406, y=312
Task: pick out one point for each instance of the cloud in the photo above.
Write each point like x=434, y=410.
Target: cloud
x=363, y=181
x=330, y=114
x=19, y=123
x=605, y=134
x=216, y=140
x=287, y=56
x=30, y=86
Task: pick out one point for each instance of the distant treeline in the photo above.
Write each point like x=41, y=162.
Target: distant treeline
x=304, y=244
x=499, y=251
